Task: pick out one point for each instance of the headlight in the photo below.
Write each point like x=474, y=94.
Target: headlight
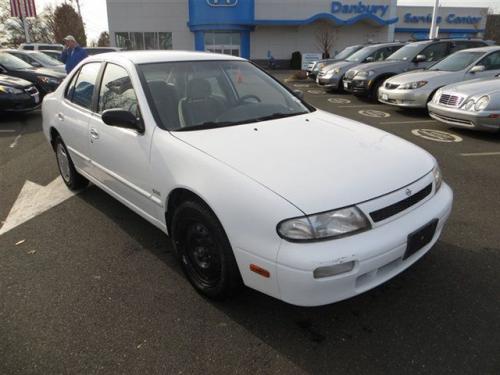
x=10, y=90
x=48, y=80
x=363, y=74
x=324, y=226
x=336, y=71
x=438, y=178
x=482, y=103
x=413, y=85
x=468, y=105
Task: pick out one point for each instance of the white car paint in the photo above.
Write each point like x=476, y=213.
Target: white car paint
x=254, y=176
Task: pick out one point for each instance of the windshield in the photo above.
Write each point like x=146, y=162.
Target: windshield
x=457, y=61
x=209, y=94
x=45, y=59
x=407, y=52
x=362, y=54
x=12, y=62
x=346, y=52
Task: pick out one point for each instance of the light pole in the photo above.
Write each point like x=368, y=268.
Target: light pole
x=432, y=32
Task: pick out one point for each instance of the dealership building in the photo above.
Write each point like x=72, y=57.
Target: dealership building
x=258, y=29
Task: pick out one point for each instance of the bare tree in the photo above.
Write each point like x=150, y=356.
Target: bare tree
x=103, y=40
x=325, y=37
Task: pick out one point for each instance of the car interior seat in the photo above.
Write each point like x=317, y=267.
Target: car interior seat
x=199, y=105
x=166, y=101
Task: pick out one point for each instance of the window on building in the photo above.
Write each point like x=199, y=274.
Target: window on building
x=143, y=41
x=223, y=42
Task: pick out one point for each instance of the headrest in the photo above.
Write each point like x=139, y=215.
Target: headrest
x=160, y=88
x=198, y=88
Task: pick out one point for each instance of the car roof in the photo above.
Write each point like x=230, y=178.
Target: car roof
x=428, y=41
x=482, y=49
x=145, y=57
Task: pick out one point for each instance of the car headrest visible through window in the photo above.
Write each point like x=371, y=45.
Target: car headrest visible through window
x=198, y=88
x=166, y=101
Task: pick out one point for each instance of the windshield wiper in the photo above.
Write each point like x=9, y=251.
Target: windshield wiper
x=206, y=125
x=278, y=115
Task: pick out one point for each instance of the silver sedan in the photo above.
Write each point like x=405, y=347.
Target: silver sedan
x=416, y=89
x=473, y=105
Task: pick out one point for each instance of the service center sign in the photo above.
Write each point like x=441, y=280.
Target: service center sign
x=308, y=58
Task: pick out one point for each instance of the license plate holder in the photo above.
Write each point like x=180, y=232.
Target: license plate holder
x=421, y=237
x=346, y=85
x=385, y=97
x=36, y=98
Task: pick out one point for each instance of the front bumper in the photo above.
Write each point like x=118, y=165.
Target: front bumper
x=19, y=102
x=484, y=120
x=330, y=83
x=357, y=86
x=404, y=98
x=377, y=255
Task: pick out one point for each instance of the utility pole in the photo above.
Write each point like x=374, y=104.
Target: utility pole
x=433, y=31
x=23, y=20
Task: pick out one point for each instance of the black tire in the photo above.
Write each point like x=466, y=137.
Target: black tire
x=204, y=251
x=374, y=89
x=72, y=179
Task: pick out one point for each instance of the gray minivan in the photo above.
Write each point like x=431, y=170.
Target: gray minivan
x=365, y=79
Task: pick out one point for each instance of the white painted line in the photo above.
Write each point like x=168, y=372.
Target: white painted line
x=406, y=122
x=481, y=154
x=359, y=106
x=14, y=144
x=436, y=135
x=7, y=131
x=374, y=113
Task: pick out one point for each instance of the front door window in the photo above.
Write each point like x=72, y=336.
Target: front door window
x=223, y=42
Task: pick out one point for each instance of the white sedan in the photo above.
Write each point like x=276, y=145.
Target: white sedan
x=253, y=185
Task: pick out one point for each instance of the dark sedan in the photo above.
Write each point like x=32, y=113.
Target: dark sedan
x=45, y=80
x=18, y=95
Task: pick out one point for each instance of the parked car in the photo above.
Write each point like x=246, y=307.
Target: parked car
x=54, y=54
x=18, y=95
x=365, y=79
x=40, y=46
x=38, y=59
x=331, y=75
x=45, y=80
x=415, y=89
x=97, y=50
x=342, y=55
x=472, y=105
x=210, y=149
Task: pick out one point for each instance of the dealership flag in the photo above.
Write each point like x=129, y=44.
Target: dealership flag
x=22, y=8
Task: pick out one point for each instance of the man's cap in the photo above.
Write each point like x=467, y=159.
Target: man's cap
x=70, y=37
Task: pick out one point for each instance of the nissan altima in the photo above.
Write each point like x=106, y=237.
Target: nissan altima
x=253, y=185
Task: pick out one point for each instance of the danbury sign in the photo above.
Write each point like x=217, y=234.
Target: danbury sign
x=450, y=18
x=359, y=8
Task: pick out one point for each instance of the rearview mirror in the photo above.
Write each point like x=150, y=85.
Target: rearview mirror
x=122, y=119
x=369, y=59
x=298, y=93
x=477, y=69
x=420, y=58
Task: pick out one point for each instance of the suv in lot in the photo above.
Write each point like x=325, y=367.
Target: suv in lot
x=40, y=46
x=366, y=79
x=342, y=55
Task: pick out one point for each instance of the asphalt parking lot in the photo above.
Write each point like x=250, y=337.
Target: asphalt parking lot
x=87, y=286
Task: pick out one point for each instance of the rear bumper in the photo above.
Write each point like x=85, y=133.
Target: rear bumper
x=484, y=121
x=403, y=98
x=377, y=255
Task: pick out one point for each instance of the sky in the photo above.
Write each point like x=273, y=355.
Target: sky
x=96, y=20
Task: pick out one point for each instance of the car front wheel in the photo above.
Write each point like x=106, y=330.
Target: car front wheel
x=204, y=251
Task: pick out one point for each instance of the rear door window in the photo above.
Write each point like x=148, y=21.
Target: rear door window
x=491, y=62
x=83, y=89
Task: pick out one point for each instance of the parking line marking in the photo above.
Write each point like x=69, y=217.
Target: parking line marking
x=358, y=106
x=7, y=131
x=481, y=154
x=406, y=122
x=14, y=144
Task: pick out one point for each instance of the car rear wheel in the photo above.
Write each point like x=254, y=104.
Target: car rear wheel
x=70, y=176
x=204, y=251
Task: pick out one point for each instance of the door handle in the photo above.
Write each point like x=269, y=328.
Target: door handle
x=60, y=116
x=94, y=134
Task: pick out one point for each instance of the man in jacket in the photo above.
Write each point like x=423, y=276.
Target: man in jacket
x=72, y=54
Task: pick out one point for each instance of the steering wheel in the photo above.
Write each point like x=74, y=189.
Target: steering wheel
x=250, y=96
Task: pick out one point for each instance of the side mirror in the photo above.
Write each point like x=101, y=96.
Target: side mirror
x=298, y=93
x=477, y=69
x=122, y=119
x=420, y=58
x=3, y=70
x=36, y=64
x=370, y=59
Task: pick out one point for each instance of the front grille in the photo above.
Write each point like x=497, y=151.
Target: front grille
x=31, y=90
x=450, y=100
x=400, y=206
x=453, y=120
x=391, y=86
x=350, y=74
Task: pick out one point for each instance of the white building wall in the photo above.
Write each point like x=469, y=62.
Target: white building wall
x=151, y=15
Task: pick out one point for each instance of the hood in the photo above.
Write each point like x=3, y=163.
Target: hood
x=51, y=72
x=324, y=163
x=14, y=82
x=343, y=65
x=57, y=68
x=436, y=78
x=386, y=65
x=486, y=86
